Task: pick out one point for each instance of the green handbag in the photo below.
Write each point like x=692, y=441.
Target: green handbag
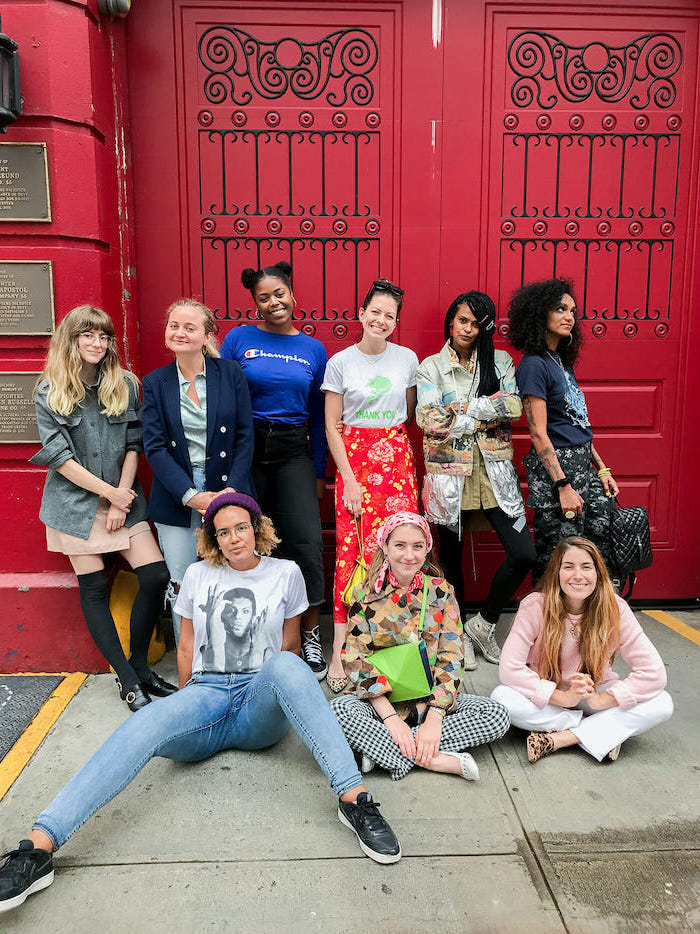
x=406, y=667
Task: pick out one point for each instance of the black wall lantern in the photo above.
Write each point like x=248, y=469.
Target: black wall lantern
x=10, y=97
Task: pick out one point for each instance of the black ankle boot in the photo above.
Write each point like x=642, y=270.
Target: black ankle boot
x=135, y=697
x=154, y=684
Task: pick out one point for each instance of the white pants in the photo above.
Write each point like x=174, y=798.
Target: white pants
x=597, y=732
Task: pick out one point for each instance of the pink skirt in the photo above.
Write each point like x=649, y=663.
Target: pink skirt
x=100, y=541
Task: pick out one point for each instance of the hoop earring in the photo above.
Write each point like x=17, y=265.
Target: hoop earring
x=571, y=339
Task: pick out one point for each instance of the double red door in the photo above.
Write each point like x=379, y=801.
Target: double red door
x=448, y=144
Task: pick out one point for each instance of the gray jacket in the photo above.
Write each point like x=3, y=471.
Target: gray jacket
x=97, y=442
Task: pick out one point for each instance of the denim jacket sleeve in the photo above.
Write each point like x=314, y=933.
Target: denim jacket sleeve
x=54, y=433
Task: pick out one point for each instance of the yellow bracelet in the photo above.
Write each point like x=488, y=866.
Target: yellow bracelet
x=605, y=472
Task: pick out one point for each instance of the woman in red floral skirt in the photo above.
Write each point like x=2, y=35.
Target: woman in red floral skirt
x=371, y=390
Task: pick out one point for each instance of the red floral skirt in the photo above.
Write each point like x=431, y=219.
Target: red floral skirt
x=382, y=461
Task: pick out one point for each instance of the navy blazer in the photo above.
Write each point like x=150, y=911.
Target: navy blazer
x=229, y=451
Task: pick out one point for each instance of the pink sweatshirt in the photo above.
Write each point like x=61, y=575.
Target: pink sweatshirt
x=521, y=654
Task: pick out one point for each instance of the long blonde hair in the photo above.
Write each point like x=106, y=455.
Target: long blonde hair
x=600, y=621
x=210, y=348
x=63, y=367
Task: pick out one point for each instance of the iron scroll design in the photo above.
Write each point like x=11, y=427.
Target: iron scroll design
x=548, y=68
x=230, y=55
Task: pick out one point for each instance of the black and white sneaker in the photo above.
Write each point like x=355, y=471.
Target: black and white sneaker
x=377, y=839
x=312, y=652
x=24, y=872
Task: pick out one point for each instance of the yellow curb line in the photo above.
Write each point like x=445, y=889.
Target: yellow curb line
x=683, y=629
x=32, y=737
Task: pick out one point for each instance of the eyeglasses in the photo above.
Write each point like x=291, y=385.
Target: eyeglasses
x=237, y=530
x=90, y=337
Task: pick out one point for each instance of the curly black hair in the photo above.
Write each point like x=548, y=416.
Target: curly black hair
x=527, y=315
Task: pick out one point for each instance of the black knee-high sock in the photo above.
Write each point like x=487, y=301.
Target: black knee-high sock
x=153, y=579
x=100, y=624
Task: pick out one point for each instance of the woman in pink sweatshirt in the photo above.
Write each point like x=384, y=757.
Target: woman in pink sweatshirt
x=555, y=668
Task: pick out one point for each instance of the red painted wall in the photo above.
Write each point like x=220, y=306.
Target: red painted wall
x=72, y=78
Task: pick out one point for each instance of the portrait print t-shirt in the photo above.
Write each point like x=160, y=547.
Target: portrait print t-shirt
x=238, y=616
x=373, y=387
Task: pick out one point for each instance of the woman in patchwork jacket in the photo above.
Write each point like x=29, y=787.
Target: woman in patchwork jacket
x=467, y=399
x=434, y=731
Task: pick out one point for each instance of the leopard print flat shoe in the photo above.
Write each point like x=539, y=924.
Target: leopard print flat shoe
x=539, y=745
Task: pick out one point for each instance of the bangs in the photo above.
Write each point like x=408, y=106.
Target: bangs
x=87, y=318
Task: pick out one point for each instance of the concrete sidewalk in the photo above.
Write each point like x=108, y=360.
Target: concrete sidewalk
x=251, y=842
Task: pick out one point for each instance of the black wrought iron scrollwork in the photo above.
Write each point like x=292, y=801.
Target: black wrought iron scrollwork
x=547, y=69
x=523, y=153
x=249, y=147
x=240, y=66
x=260, y=250
x=587, y=254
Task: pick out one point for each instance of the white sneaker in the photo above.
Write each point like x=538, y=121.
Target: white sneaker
x=470, y=770
x=483, y=634
x=367, y=764
x=469, y=656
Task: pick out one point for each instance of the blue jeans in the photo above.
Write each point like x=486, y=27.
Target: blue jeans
x=212, y=712
x=179, y=547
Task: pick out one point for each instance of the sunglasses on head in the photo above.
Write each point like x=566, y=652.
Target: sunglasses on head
x=383, y=285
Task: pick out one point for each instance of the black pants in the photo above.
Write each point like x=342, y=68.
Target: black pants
x=520, y=558
x=284, y=478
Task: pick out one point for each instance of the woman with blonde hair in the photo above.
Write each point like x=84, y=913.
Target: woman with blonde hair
x=197, y=432
x=556, y=665
x=89, y=418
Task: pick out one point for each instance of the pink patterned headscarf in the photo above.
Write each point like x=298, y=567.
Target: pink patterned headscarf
x=404, y=518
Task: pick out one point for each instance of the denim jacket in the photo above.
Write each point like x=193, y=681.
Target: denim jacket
x=97, y=442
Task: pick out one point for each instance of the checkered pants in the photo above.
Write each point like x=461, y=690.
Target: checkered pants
x=477, y=720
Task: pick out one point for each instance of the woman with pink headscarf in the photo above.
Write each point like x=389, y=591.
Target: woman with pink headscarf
x=403, y=584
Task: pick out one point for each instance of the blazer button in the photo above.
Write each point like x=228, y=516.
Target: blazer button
x=222, y=454
x=173, y=444
x=223, y=429
x=224, y=477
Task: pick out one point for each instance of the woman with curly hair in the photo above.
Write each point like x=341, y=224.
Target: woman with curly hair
x=467, y=399
x=371, y=393
x=248, y=705
x=89, y=417
x=570, y=488
x=556, y=665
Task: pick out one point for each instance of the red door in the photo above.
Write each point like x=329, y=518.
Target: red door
x=449, y=146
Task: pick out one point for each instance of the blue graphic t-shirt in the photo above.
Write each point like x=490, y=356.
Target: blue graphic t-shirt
x=284, y=374
x=566, y=408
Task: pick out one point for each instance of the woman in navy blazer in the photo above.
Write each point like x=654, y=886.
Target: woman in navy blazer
x=197, y=433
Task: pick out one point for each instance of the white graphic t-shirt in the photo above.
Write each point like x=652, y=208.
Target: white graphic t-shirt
x=373, y=387
x=238, y=616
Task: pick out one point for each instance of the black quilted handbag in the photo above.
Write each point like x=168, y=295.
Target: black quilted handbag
x=630, y=542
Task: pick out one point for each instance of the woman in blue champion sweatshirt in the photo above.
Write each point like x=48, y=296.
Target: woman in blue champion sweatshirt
x=284, y=369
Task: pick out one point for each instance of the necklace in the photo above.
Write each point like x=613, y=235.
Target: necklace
x=556, y=358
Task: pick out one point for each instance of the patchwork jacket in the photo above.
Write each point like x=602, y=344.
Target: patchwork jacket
x=392, y=617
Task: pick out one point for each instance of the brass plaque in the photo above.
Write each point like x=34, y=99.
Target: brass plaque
x=26, y=297
x=24, y=182
x=17, y=416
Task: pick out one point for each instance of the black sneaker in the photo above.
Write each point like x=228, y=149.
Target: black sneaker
x=24, y=872
x=377, y=839
x=312, y=652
